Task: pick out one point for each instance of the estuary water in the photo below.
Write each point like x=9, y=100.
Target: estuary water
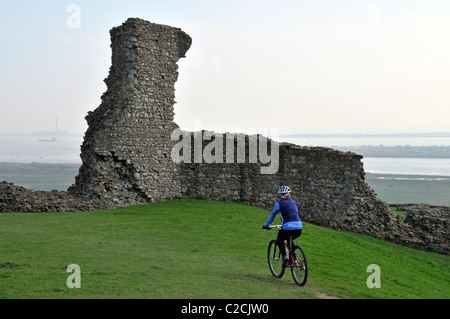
x=40, y=148
x=386, y=165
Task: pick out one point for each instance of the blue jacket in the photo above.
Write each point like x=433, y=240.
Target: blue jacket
x=289, y=214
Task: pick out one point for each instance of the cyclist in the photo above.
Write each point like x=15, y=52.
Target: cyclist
x=291, y=222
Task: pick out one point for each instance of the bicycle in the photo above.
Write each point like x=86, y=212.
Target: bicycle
x=297, y=260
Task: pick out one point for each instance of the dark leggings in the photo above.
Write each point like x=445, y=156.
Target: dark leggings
x=286, y=235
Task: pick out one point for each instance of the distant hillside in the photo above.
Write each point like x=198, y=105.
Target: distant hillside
x=397, y=135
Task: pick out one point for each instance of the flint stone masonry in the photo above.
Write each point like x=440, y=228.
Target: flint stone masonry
x=427, y=226
x=126, y=149
x=126, y=156
x=14, y=198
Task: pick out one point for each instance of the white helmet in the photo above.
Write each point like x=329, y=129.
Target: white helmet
x=284, y=190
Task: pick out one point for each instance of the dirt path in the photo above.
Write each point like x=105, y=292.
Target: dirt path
x=323, y=295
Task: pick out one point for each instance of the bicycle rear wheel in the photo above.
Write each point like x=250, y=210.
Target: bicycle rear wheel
x=299, y=268
x=275, y=259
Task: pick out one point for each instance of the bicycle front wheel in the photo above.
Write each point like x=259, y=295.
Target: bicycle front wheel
x=275, y=259
x=299, y=268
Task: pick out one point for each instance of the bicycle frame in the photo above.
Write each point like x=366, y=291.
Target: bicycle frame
x=289, y=247
x=296, y=261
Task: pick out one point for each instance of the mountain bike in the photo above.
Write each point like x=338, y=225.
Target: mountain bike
x=297, y=260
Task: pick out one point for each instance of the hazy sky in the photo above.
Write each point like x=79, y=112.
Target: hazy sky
x=299, y=66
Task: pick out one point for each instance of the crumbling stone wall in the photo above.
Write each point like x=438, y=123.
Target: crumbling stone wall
x=330, y=189
x=126, y=153
x=327, y=184
x=14, y=198
x=425, y=227
x=126, y=149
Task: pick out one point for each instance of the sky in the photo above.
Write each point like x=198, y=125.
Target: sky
x=299, y=67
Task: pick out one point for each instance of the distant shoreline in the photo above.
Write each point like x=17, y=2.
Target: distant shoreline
x=78, y=165
x=41, y=165
x=407, y=176
x=361, y=135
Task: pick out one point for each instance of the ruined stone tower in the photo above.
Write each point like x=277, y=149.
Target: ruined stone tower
x=127, y=152
x=126, y=149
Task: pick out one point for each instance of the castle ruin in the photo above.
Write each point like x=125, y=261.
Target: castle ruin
x=127, y=153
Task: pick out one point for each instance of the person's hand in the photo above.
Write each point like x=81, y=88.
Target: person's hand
x=266, y=227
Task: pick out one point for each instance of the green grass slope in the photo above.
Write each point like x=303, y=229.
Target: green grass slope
x=198, y=249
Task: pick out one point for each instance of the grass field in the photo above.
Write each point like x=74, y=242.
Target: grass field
x=198, y=249
x=410, y=189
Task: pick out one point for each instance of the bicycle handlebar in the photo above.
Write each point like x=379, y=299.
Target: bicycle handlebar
x=274, y=226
